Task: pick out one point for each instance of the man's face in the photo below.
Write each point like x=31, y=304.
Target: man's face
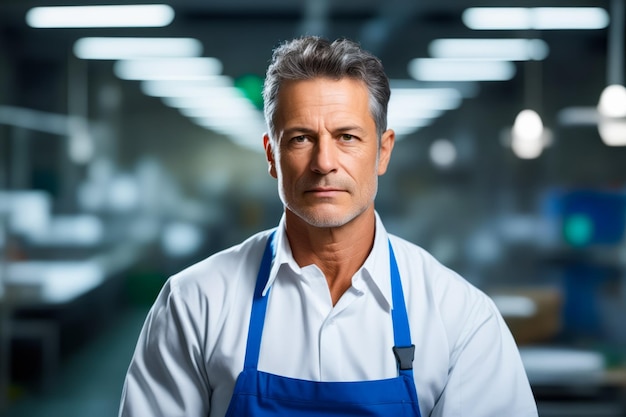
x=326, y=156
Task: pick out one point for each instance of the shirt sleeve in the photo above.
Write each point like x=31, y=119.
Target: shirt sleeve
x=167, y=376
x=486, y=377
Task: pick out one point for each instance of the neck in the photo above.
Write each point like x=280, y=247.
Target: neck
x=338, y=251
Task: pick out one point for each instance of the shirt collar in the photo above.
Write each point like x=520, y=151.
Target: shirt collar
x=375, y=268
x=283, y=255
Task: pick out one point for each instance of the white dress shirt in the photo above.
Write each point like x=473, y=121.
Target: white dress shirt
x=192, y=346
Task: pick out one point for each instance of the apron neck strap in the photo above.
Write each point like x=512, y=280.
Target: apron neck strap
x=259, y=305
x=403, y=349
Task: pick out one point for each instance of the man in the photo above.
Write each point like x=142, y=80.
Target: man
x=327, y=314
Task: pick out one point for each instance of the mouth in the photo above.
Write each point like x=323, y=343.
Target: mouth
x=324, y=191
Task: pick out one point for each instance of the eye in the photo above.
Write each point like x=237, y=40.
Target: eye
x=299, y=139
x=346, y=137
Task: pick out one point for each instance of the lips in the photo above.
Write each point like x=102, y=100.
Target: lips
x=321, y=187
x=324, y=190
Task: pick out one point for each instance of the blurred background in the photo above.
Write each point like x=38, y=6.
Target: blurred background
x=131, y=147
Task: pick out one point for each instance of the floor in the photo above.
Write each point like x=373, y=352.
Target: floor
x=90, y=380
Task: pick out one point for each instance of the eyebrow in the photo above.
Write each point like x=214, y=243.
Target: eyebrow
x=350, y=128
x=297, y=129
x=304, y=130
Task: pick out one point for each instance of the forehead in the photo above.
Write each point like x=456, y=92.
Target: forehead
x=322, y=96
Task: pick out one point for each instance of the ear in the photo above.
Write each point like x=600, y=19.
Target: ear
x=386, y=146
x=269, y=155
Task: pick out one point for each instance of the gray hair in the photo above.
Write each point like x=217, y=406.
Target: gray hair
x=311, y=57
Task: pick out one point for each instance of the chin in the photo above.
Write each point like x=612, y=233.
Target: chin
x=323, y=219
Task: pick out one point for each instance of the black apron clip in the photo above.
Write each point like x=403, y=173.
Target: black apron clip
x=404, y=356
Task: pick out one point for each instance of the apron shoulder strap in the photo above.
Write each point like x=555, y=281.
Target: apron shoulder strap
x=403, y=350
x=259, y=306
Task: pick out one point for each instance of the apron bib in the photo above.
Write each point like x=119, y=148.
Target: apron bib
x=261, y=394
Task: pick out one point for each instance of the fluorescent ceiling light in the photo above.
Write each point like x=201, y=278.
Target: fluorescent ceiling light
x=219, y=105
x=497, y=18
x=196, y=68
x=134, y=48
x=222, y=99
x=466, y=90
x=214, y=104
x=570, y=18
x=243, y=128
x=538, y=18
x=433, y=69
x=425, y=98
x=145, y=15
x=221, y=110
x=402, y=116
x=231, y=110
x=405, y=130
x=413, y=108
x=396, y=122
x=184, y=88
x=56, y=124
x=578, y=116
x=495, y=49
x=247, y=122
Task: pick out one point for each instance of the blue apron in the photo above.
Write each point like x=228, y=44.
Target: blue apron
x=261, y=394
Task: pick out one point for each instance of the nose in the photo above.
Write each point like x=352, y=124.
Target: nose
x=324, y=156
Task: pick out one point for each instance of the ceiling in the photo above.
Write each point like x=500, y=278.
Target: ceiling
x=242, y=33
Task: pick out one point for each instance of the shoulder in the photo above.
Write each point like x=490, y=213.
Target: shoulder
x=423, y=268
x=434, y=289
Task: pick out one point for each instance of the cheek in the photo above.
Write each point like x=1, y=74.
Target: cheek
x=370, y=180
x=366, y=168
x=291, y=168
x=285, y=175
